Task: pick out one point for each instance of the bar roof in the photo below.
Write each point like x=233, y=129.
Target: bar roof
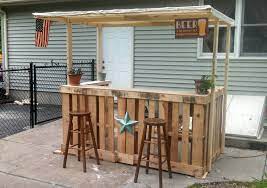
x=138, y=16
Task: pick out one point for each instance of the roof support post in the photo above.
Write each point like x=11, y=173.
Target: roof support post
x=69, y=47
x=213, y=103
x=99, y=50
x=226, y=67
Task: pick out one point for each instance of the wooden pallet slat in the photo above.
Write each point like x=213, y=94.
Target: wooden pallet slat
x=185, y=133
x=109, y=141
x=130, y=136
x=75, y=107
x=207, y=108
x=198, y=135
x=102, y=122
x=174, y=137
x=66, y=102
x=141, y=117
x=219, y=127
x=92, y=108
x=164, y=114
x=151, y=114
x=121, y=137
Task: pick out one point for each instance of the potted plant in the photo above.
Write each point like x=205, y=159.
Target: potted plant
x=203, y=85
x=75, y=75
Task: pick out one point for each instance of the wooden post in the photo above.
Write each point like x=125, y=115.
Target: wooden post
x=212, y=104
x=69, y=47
x=227, y=52
x=99, y=50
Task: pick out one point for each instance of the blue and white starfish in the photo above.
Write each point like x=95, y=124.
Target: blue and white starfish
x=126, y=123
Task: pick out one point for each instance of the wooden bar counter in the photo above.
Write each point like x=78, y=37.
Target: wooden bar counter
x=187, y=116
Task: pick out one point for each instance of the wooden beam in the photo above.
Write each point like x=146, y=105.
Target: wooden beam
x=135, y=17
x=135, y=93
x=99, y=50
x=69, y=47
x=226, y=67
x=212, y=104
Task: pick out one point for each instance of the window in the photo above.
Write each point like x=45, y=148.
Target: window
x=228, y=8
x=248, y=36
x=208, y=41
x=254, y=28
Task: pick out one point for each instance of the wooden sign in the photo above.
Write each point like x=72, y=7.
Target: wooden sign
x=193, y=27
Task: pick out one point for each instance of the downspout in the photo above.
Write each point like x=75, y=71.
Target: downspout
x=4, y=37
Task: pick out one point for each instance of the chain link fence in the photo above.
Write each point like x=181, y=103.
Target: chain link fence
x=15, y=109
x=30, y=95
x=47, y=80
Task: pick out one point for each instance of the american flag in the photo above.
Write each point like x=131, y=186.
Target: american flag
x=42, y=32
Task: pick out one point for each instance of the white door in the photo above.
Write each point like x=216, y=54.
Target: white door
x=118, y=55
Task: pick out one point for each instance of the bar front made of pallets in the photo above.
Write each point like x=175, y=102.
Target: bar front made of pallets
x=194, y=142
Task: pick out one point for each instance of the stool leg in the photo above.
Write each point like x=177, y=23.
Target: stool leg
x=167, y=148
x=148, y=148
x=159, y=155
x=91, y=130
x=83, y=144
x=67, y=142
x=79, y=138
x=140, y=154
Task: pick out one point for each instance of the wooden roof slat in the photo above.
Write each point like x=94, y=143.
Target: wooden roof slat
x=130, y=16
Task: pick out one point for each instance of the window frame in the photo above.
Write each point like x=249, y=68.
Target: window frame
x=243, y=25
x=221, y=55
x=237, y=40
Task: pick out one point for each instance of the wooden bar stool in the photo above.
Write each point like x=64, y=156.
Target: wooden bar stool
x=84, y=128
x=157, y=123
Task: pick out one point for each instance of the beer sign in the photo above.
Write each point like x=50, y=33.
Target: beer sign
x=193, y=27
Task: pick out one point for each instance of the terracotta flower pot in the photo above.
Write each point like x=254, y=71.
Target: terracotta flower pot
x=74, y=79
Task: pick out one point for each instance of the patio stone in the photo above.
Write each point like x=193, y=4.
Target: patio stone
x=27, y=160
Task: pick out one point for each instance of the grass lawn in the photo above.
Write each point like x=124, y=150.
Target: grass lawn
x=232, y=184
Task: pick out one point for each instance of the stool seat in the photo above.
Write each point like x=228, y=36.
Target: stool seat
x=77, y=113
x=154, y=122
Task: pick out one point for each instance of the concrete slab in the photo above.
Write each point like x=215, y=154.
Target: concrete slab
x=248, y=143
x=27, y=160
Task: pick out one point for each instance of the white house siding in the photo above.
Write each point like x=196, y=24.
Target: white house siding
x=21, y=45
x=160, y=61
x=22, y=50
x=164, y=62
x=21, y=34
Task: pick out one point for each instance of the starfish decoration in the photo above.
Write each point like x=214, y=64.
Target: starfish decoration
x=126, y=123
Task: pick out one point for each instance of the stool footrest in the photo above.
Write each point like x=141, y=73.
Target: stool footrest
x=155, y=162
x=156, y=138
x=77, y=131
x=76, y=147
x=155, y=155
x=153, y=142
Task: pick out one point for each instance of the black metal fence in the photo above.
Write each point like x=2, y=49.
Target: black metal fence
x=30, y=96
x=15, y=108
x=47, y=80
